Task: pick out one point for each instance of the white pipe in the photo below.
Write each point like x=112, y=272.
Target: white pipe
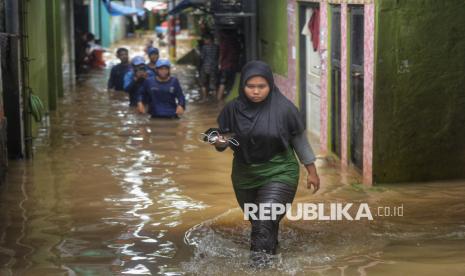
x=92, y=18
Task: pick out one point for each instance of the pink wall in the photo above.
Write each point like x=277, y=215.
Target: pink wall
x=368, y=86
x=288, y=85
x=324, y=80
x=368, y=96
x=344, y=92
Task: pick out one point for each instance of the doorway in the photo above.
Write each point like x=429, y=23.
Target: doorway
x=335, y=110
x=310, y=64
x=356, y=92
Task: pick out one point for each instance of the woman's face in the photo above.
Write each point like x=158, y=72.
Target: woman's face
x=257, y=89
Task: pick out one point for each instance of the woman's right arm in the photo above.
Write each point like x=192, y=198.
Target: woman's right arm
x=303, y=149
x=223, y=121
x=307, y=157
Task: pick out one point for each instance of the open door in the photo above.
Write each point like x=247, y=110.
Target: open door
x=310, y=64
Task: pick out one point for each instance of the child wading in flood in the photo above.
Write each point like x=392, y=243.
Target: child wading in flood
x=163, y=94
x=116, y=80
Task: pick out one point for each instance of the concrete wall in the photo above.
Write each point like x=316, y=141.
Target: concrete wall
x=413, y=84
x=13, y=91
x=117, y=28
x=272, y=34
x=46, y=45
x=419, y=110
x=277, y=26
x=113, y=28
x=67, y=43
x=37, y=49
x=54, y=49
x=3, y=131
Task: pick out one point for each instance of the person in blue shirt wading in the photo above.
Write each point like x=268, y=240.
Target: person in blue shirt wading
x=153, y=54
x=134, y=79
x=163, y=94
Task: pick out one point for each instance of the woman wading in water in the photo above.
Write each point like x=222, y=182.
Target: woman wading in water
x=269, y=129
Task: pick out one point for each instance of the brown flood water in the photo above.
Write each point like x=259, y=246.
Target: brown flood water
x=110, y=192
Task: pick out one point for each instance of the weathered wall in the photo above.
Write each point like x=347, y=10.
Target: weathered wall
x=67, y=43
x=3, y=122
x=45, y=51
x=113, y=28
x=117, y=28
x=272, y=34
x=13, y=92
x=37, y=49
x=277, y=39
x=55, y=77
x=420, y=83
x=106, y=26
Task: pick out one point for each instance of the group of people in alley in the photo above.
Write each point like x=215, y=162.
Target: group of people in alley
x=153, y=90
x=267, y=129
x=150, y=86
x=219, y=64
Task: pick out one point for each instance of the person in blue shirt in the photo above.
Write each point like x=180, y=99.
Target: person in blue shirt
x=163, y=94
x=116, y=80
x=134, y=79
x=153, y=54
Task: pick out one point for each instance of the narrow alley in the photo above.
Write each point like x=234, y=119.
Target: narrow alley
x=107, y=190
x=112, y=192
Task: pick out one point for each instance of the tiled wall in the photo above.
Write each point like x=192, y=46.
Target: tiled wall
x=288, y=84
x=368, y=93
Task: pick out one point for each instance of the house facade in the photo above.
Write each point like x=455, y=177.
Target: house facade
x=377, y=80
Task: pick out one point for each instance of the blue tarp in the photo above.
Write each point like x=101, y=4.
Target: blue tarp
x=116, y=9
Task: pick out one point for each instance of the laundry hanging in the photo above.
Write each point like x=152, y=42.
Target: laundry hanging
x=314, y=27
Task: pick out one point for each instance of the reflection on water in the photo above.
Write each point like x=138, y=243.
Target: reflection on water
x=428, y=240
x=111, y=192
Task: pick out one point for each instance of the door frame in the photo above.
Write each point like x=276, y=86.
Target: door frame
x=302, y=8
x=332, y=147
x=360, y=10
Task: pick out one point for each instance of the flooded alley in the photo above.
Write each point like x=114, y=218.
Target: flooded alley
x=112, y=192
x=94, y=182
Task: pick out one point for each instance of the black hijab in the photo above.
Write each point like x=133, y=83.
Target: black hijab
x=262, y=129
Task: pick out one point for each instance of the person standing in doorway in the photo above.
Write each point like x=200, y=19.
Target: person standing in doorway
x=268, y=129
x=209, y=66
x=229, y=60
